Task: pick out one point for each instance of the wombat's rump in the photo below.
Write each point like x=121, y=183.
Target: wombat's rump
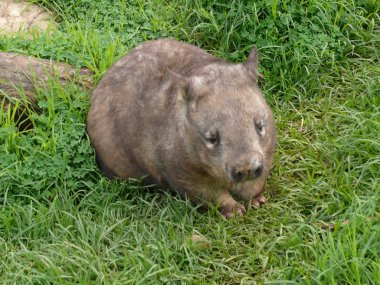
x=186, y=119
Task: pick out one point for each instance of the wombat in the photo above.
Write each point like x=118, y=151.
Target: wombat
x=183, y=118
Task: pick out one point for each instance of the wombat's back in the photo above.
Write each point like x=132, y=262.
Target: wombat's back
x=153, y=61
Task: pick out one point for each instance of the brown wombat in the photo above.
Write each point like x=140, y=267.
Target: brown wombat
x=184, y=118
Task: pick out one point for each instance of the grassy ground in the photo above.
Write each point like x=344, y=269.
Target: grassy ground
x=61, y=222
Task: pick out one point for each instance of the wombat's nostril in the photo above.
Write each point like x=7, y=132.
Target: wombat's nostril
x=237, y=175
x=258, y=171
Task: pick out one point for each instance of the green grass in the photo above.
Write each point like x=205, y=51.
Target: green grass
x=61, y=222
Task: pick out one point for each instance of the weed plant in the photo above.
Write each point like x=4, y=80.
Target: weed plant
x=62, y=222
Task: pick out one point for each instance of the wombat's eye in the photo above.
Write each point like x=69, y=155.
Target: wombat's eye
x=260, y=127
x=212, y=138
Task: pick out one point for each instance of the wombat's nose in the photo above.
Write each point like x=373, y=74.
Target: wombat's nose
x=239, y=174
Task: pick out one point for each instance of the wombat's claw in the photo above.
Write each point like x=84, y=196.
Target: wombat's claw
x=237, y=211
x=259, y=200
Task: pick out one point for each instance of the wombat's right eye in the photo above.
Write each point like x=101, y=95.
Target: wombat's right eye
x=212, y=138
x=260, y=127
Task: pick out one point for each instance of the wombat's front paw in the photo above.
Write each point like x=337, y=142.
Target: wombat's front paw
x=232, y=210
x=259, y=200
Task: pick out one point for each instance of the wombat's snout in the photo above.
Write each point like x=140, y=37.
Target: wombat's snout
x=246, y=172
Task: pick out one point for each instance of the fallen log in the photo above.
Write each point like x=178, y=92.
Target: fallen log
x=20, y=74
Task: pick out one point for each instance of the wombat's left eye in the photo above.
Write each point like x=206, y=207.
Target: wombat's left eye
x=212, y=138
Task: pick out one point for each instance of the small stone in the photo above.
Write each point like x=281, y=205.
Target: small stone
x=200, y=241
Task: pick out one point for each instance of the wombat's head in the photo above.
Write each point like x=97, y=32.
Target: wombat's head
x=227, y=126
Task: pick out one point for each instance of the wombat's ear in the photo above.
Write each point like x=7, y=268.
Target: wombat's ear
x=252, y=62
x=182, y=83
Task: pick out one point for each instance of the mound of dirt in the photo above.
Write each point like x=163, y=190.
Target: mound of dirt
x=18, y=16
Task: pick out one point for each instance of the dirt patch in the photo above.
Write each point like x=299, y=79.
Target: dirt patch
x=16, y=16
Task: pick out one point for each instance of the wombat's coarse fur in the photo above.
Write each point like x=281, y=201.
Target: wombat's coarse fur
x=184, y=118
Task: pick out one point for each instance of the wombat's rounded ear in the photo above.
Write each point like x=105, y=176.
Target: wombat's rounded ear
x=252, y=62
x=182, y=83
